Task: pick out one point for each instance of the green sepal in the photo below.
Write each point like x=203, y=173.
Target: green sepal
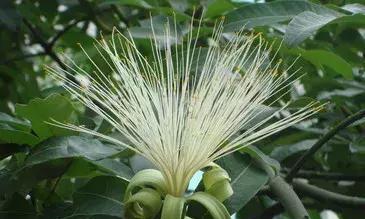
x=217, y=183
x=146, y=178
x=145, y=204
x=173, y=207
x=215, y=208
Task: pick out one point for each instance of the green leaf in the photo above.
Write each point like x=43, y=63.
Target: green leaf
x=173, y=207
x=39, y=111
x=179, y=5
x=14, y=122
x=115, y=167
x=11, y=135
x=246, y=179
x=218, y=8
x=262, y=112
x=354, y=8
x=101, y=196
x=349, y=92
x=17, y=208
x=216, y=209
x=67, y=147
x=23, y=178
x=145, y=31
x=138, y=3
x=262, y=14
x=301, y=102
x=283, y=152
x=358, y=146
x=322, y=58
x=17, y=131
x=305, y=24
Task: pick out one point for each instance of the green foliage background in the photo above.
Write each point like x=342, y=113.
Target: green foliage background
x=47, y=172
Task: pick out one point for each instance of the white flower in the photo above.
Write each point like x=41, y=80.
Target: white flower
x=177, y=114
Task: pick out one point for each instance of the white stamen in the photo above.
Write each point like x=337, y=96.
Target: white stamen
x=179, y=115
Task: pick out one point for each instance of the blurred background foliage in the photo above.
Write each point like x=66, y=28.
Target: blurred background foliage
x=47, y=172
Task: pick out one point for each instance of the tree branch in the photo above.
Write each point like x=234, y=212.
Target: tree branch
x=325, y=195
x=288, y=198
x=63, y=31
x=327, y=175
x=46, y=47
x=349, y=120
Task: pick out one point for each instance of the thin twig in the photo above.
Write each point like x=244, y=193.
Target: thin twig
x=58, y=180
x=327, y=175
x=349, y=120
x=63, y=31
x=46, y=47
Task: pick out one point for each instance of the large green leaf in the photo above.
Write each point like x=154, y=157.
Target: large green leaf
x=283, y=152
x=114, y=167
x=218, y=8
x=17, y=131
x=138, y=3
x=14, y=122
x=11, y=135
x=246, y=179
x=101, y=196
x=261, y=14
x=305, y=24
x=322, y=58
x=68, y=147
x=39, y=111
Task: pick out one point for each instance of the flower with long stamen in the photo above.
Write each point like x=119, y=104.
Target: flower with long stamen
x=176, y=112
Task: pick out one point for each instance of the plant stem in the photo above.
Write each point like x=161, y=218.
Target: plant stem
x=327, y=175
x=288, y=198
x=349, y=120
x=325, y=195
